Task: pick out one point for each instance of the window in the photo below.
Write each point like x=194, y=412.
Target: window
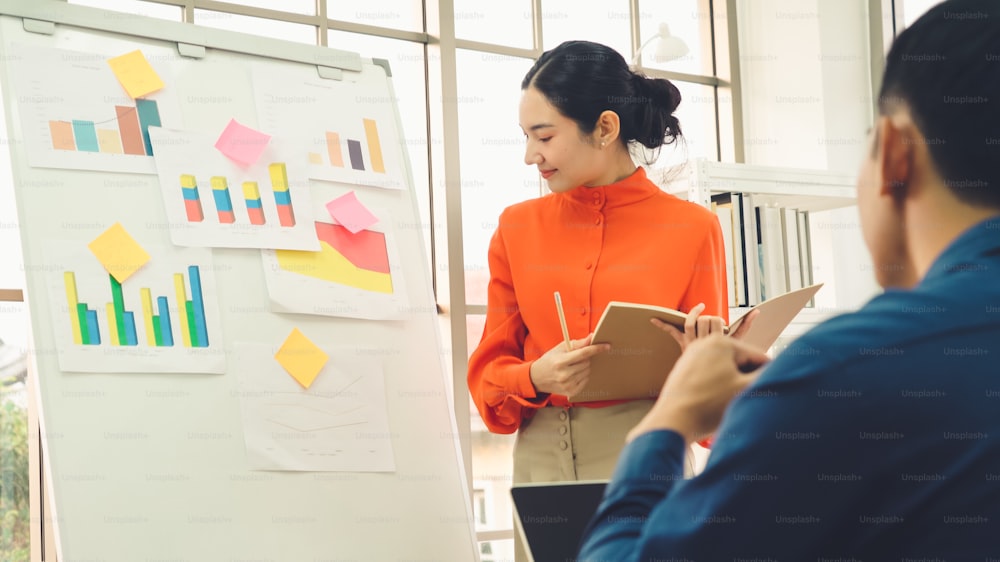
x=134, y=7
x=14, y=474
x=257, y=26
x=394, y=14
x=502, y=23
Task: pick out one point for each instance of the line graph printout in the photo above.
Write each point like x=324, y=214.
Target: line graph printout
x=353, y=275
x=163, y=319
x=212, y=201
x=76, y=115
x=340, y=423
x=345, y=128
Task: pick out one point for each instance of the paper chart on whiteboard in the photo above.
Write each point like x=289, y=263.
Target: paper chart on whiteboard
x=340, y=423
x=75, y=114
x=353, y=275
x=344, y=128
x=164, y=318
x=212, y=201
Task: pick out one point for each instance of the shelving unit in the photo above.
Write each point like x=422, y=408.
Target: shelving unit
x=812, y=191
x=805, y=190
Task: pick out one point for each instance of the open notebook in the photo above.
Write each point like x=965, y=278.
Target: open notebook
x=642, y=355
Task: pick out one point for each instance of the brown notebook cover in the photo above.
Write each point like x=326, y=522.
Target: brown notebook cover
x=642, y=355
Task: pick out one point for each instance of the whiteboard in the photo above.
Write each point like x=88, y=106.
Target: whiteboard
x=153, y=465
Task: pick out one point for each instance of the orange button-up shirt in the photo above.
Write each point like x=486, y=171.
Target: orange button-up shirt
x=628, y=241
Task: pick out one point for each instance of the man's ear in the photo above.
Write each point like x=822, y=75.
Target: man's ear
x=894, y=152
x=608, y=127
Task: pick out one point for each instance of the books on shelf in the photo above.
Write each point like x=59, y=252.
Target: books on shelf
x=771, y=244
x=793, y=258
x=768, y=251
x=642, y=354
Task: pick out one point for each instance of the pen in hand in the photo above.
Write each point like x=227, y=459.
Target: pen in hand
x=562, y=322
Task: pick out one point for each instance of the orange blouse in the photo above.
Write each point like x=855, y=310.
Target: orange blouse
x=628, y=241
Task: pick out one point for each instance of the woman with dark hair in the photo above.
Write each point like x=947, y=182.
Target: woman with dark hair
x=605, y=232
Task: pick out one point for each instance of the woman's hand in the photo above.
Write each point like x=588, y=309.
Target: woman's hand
x=697, y=326
x=560, y=371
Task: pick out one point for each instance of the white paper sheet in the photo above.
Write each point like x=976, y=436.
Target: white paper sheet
x=340, y=423
x=327, y=119
x=324, y=288
x=93, y=289
x=184, y=153
x=56, y=88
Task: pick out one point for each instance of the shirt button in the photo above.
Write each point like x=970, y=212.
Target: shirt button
x=562, y=416
x=563, y=445
x=597, y=221
x=583, y=311
x=589, y=265
x=562, y=430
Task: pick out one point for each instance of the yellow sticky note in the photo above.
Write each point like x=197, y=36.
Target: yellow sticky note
x=301, y=358
x=135, y=74
x=118, y=252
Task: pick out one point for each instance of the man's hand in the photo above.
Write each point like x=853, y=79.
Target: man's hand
x=708, y=375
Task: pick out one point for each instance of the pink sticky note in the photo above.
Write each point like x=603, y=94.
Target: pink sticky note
x=241, y=143
x=350, y=213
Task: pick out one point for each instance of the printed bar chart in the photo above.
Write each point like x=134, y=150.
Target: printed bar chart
x=354, y=150
x=192, y=201
x=282, y=197
x=130, y=136
x=121, y=326
x=223, y=202
x=278, y=175
x=255, y=209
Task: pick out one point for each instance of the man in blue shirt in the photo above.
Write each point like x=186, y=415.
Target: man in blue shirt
x=876, y=436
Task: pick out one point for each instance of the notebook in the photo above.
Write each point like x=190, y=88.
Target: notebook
x=641, y=354
x=552, y=516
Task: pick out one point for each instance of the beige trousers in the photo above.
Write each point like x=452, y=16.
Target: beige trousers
x=560, y=444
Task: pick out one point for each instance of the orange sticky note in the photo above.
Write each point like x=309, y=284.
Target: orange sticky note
x=135, y=74
x=118, y=252
x=301, y=358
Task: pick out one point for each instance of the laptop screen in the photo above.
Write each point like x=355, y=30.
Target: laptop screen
x=553, y=516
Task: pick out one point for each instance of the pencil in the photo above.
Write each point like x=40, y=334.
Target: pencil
x=562, y=321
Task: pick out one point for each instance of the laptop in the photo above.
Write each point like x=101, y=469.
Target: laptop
x=552, y=516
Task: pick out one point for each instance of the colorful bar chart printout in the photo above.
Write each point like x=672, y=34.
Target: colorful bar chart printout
x=166, y=312
x=75, y=114
x=213, y=201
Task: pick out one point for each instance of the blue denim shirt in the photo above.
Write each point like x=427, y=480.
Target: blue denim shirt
x=874, y=437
